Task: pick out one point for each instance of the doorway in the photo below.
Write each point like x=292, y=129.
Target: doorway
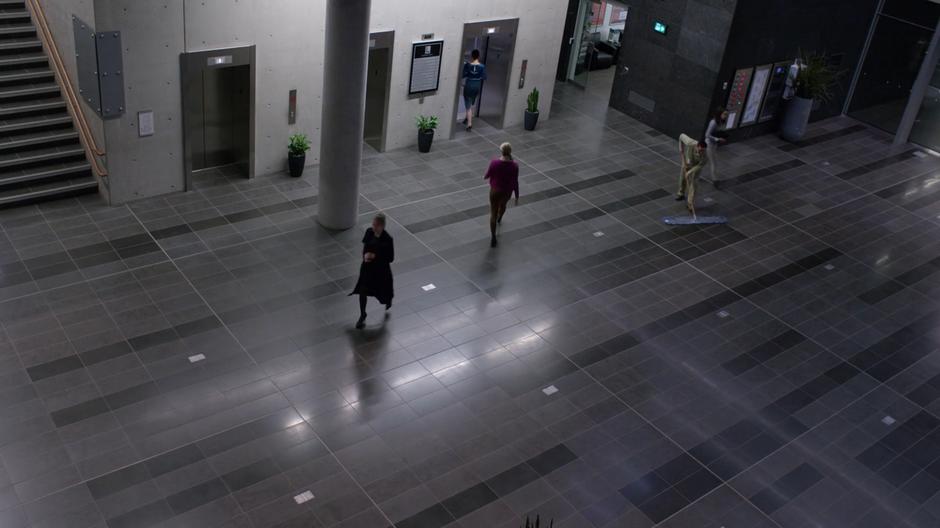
x=218, y=112
x=496, y=40
x=593, y=48
x=378, y=87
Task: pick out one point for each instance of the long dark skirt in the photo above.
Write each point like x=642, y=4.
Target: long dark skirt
x=375, y=280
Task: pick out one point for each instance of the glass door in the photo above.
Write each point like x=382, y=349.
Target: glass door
x=926, y=130
x=583, y=49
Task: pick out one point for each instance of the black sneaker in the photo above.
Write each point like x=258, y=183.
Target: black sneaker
x=361, y=323
x=716, y=184
x=493, y=242
x=680, y=197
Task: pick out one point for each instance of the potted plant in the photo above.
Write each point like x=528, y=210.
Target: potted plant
x=532, y=111
x=426, y=126
x=813, y=85
x=297, y=154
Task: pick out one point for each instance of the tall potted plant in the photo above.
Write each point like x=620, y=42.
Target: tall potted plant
x=814, y=83
x=297, y=154
x=532, y=110
x=426, y=126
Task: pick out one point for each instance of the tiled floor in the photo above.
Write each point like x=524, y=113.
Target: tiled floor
x=190, y=361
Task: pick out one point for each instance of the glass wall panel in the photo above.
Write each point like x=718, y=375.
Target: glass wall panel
x=895, y=55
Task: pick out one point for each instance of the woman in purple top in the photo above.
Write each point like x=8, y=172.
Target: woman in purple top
x=503, y=175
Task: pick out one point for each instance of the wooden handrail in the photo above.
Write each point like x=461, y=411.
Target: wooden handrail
x=88, y=138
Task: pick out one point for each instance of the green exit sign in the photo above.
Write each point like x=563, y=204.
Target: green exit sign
x=660, y=27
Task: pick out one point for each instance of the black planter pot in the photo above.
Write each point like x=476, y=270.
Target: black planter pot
x=296, y=164
x=795, y=118
x=425, y=137
x=531, y=119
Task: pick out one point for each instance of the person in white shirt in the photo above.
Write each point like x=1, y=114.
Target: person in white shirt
x=713, y=139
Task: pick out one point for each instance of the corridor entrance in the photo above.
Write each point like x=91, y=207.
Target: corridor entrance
x=378, y=86
x=591, y=45
x=496, y=40
x=218, y=111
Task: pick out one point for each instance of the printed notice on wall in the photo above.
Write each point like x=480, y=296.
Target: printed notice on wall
x=756, y=97
x=145, y=123
x=425, y=66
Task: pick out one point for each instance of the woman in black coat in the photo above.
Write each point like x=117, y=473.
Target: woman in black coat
x=375, y=272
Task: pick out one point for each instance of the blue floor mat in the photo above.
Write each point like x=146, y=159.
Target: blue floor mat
x=697, y=220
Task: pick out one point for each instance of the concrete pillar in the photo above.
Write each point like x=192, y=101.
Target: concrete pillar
x=344, y=95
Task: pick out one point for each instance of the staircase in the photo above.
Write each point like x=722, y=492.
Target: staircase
x=41, y=156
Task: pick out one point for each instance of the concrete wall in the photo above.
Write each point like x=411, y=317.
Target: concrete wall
x=288, y=35
x=672, y=77
x=541, y=23
x=59, y=16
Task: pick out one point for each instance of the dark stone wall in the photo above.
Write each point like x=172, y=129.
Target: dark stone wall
x=672, y=77
x=766, y=31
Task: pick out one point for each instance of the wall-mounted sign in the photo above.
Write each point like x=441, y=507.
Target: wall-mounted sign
x=742, y=81
x=660, y=27
x=219, y=61
x=756, y=96
x=778, y=82
x=145, y=123
x=425, y=66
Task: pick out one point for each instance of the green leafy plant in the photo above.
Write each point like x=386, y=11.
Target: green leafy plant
x=533, y=101
x=536, y=524
x=426, y=123
x=817, y=78
x=299, y=144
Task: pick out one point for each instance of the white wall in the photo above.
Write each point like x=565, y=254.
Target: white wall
x=288, y=35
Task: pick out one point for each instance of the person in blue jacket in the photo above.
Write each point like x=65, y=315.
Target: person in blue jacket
x=474, y=73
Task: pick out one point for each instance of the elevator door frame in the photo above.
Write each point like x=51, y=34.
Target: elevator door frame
x=384, y=40
x=479, y=28
x=192, y=66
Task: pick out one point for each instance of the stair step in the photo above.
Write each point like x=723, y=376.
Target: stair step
x=44, y=172
x=41, y=138
x=21, y=107
x=40, y=156
x=49, y=191
x=25, y=58
x=26, y=75
x=27, y=123
x=29, y=89
x=17, y=29
x=21, y=43
x=13, y=14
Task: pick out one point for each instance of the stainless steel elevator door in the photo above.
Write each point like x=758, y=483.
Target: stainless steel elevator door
x=225, y=109
x=376, y=96
x=498, y=59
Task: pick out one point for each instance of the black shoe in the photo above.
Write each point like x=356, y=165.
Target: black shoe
x=493, y=242
x=464, y=121
x=680, y=197
x=361, y=323
x=716, y=184
x=469, y=128
x=389, y=305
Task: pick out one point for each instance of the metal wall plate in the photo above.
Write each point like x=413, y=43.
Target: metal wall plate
x=110, y=73
x=99, y=61
x=86, y=58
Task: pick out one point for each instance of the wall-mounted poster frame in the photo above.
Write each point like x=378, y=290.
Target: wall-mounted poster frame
x=738, y=95
x=425, y=66
x=755, y=97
